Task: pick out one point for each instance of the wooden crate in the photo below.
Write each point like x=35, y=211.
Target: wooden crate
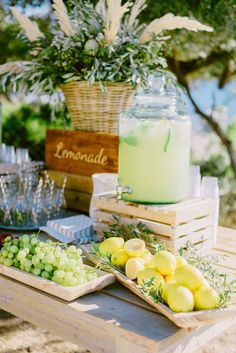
x=82, y=153
x=172, y=225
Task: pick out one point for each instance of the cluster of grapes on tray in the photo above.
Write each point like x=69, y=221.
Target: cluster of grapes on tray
x=53, y=261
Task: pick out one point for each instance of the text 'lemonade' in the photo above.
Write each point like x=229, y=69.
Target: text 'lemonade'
x=154, y=150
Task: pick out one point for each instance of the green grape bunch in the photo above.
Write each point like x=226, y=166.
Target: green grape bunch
x=50, y=260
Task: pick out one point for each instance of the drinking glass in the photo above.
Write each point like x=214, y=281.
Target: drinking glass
x=2, y=152
x=10, y=156
x=22, y=156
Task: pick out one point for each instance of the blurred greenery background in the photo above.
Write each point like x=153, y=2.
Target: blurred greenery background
x=204, y=63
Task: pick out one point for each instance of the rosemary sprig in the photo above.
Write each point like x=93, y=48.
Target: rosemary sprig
x=148, y=290
x=157, y=247
x=104, y=261
x=206, y=263
x=128, y=231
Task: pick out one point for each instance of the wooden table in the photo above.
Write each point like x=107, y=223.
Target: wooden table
x=113, y=320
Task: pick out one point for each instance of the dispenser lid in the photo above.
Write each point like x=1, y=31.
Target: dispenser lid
x=159, y=93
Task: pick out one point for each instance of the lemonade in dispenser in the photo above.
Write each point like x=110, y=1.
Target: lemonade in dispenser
x=154, y=147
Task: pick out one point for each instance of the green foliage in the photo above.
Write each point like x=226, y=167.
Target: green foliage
x=223, y=283
x=88, y=54
x=26, y=127
x=128, y=231
x=215, y=53
x=149, y=290
x=104, y=261
x=216, y=165
x=15, y=46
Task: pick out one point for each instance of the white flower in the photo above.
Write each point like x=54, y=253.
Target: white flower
x=62, y=16
x=114, y=14
x=170, y=22
x=30, y=28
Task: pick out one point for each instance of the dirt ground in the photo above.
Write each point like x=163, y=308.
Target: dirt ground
x=18, y=336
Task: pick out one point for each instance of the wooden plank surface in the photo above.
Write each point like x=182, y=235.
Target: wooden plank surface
x=98, y=320
x=83, y=153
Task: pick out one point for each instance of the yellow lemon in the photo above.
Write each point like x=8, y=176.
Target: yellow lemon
x=180, y=299
x=150, y=264
x=133, y=266
x=165, y=288
x=147, y=274
x=170, y=277
x=147, y=255
x=189, y=276
x=205, y=284
x=164, y=262
x=135, y=247
x=180, y=261
x=206, y=298
x=119, y=257
x=110, y=245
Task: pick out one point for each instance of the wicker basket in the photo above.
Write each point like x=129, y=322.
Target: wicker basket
x=93, y=110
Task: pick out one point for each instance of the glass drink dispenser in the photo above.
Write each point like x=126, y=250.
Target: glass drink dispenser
x=154, y=147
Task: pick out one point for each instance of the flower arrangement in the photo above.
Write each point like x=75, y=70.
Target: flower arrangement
x=102, y=43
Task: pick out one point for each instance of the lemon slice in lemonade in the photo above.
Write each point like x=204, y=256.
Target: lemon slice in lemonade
x=135, y=247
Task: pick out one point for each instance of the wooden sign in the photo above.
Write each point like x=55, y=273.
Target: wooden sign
x=83, y=153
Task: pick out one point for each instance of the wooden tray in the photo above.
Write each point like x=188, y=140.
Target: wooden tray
x=66, y=293
x=184, y=320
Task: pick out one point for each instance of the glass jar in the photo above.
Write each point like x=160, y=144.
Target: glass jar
x=154, y=147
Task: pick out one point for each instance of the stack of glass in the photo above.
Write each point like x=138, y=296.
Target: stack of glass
x=10, y=154
x=27, y=200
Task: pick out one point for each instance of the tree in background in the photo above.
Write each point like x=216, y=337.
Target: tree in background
x=202, y=55
x=26, y=126
x=190, y=55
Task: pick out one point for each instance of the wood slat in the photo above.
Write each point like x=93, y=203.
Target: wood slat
x=201, y=209
x=198, y=238
x=142, y=211
x=75, y=182
x=172, y=215
x=194, y=237
x=156, y=227
x=194, y=225
x=77, y=200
